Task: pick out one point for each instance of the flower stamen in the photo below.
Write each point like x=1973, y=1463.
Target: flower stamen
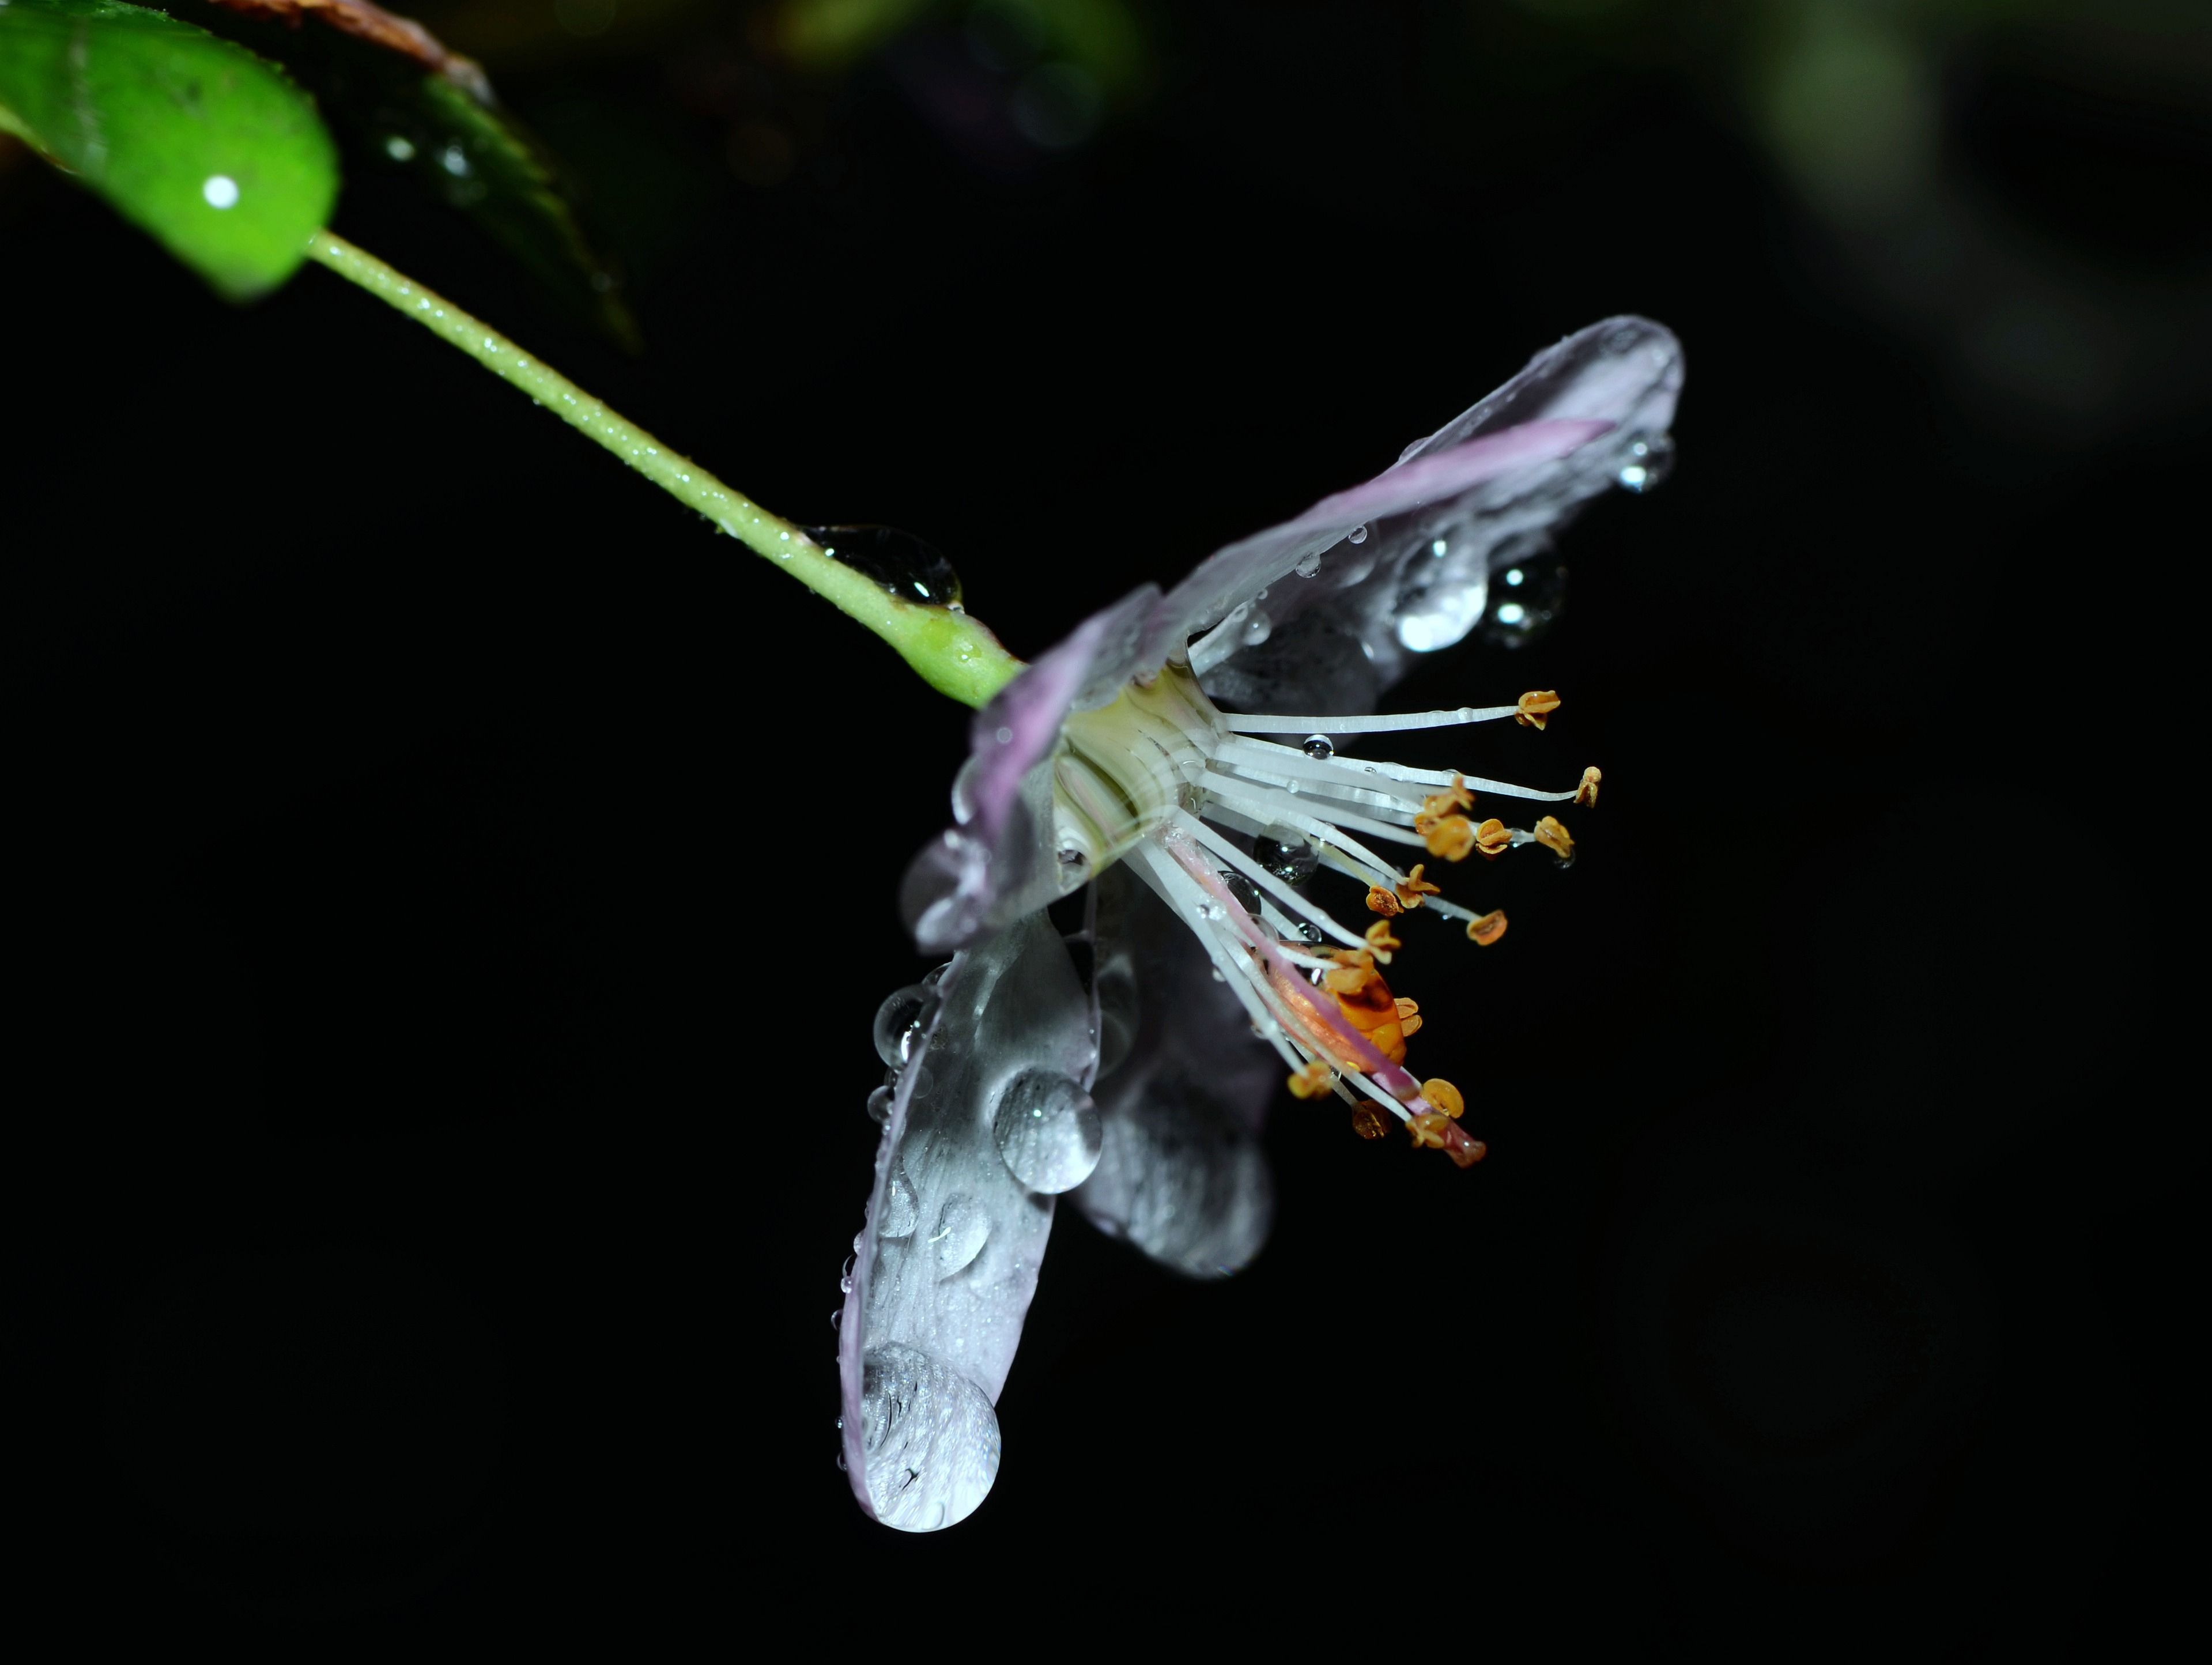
x=1535, y=707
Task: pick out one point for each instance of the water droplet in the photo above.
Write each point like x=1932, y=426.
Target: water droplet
x=1217, y=977
x=1308, y=565
x=1047, y=1130
x=1356, y=535
x=1444, y=612
x=1649, y=462
x=455, y=160
x=899, y=562
x=1533, y=596
x=1293, y=861
x=836, y=1317
x=1257, y=629
x=1246, y=892
x=901, y=1212
x=901, y=1022
x=845, y=1276
x=930, y=1438
x=219, y=191
x=1439, y=550
x=399, y=148
x=959, y=1234
x=1309, y=930
x=1318, y=746
x=879, y=1106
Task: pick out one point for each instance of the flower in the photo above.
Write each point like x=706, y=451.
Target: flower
x=1131, y=758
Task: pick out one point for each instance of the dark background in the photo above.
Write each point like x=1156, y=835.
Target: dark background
x=451, y=890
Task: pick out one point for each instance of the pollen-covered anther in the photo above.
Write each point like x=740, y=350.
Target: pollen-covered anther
x=1409, y=1018
x=1313, y=1080
x=1445, y=1096
x=1370, y=1122
x=1355, y=969
x=1439, y=805
x=1430, y=1129
x=1451, y=837
x=1381, y=942
x=1385, y=903
x=1553, y=837
x=1487, y=929
x=1586, y=792
x=1493, y=838
x=1534, y=707
x=1411, y=889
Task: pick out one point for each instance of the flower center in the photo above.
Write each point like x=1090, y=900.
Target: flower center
x=1161, y=779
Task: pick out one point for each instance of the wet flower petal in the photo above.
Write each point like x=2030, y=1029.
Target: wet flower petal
x=1353, y=624
x=1181, y=1176
x=944, y=1271
x=998, y=862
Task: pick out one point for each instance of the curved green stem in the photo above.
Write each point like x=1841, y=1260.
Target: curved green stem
x=952, y=653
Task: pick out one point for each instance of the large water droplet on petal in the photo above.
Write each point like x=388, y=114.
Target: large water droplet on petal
x=1528, y=598
x=901, y=1022
x=1256, y=628
x=899, y=561
x=1356, y=535
x=1649, y=462
x=958, y=1236
x=1048, y=1131
x=879, y=1106
x=901, y=1212
x=1308, y=565
x=1442, y=614
x=930, y=1437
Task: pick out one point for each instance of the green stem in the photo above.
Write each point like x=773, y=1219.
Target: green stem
x=952, y=653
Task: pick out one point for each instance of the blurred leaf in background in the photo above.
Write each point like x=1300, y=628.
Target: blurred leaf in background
x=200, y=144
x=402, y=98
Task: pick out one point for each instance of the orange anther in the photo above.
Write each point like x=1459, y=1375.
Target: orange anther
x=1444, y=1095
x=1454, y=797
x=1407, y=1008
x=1411, y=888
x=1487, y=929
x=1380, y=942
x=1587, y=791
x=1312, y=1080
x=1451, y=837
x=1428, y=1129
x=1383, y=902
x=1553, y=837
x=1493, y=839
x=1368, y=1121
x=1534, y=709
x=1353, y=973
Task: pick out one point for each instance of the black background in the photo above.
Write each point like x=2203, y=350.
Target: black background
x=451, y=888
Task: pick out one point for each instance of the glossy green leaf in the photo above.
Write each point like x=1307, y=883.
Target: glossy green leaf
x=193, y=139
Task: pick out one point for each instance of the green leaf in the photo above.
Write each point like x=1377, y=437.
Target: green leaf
x=481, y=161
x=192, y=138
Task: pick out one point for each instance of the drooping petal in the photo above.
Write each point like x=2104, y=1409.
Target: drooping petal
x=1435, y=480
x=998, y=862
x=1417, y=580
x=1181, y=1095
x=989, y=1120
